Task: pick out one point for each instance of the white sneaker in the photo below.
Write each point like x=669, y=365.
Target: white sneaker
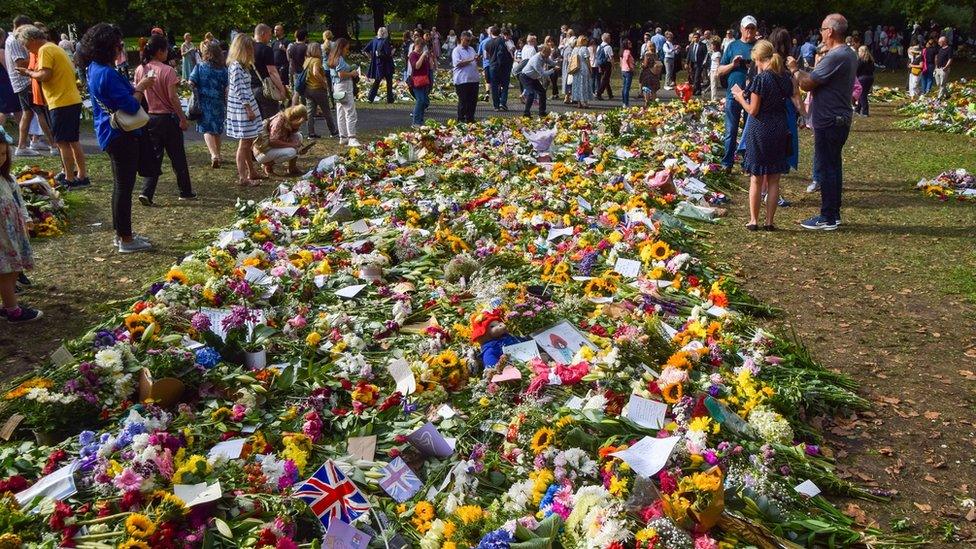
x=353, y=142
x=135, y=246
x=35, y=145
x=53, y=151
x=25, y=152
x=343, y=140
x=813, y=187
x=135, y=236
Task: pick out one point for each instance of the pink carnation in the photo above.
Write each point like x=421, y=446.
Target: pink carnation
x=127, y=481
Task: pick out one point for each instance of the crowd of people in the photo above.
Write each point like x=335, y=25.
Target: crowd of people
x=266, y=88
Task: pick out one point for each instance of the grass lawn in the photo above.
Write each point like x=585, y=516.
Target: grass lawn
x=890, y=300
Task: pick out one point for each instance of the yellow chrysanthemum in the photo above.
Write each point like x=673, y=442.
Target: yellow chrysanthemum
x=470, y=513
x=134, y=544
x=424, y=510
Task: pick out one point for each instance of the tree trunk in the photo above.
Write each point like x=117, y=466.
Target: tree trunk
x=445, y=16
x=339, y=23
x=379, y=14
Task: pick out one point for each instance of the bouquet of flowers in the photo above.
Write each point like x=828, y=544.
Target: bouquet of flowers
x=958, y=183
x=47, y=209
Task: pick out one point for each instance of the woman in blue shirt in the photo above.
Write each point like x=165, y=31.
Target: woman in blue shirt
x=111, y=92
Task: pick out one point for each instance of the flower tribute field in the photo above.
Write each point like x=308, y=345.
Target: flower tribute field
x=315, y=366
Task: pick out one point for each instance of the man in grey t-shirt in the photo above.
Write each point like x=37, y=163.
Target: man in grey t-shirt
x=831, y=83
x=15, y=57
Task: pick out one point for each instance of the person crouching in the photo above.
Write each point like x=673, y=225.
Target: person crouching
x=283, y=142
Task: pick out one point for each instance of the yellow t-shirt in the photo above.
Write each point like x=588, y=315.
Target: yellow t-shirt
x=61, y=90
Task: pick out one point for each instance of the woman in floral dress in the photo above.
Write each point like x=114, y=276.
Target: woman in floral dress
x=210, y=80
x=15, y=248
x=582, y=84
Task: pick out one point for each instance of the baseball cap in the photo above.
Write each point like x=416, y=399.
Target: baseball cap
x=748, y=21
x=159, y=31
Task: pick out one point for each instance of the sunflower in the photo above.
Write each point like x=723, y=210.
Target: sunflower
x=10, y=541
x=542, y=439
x=133, y=544
x=660, y=250
x=176, y=275
x=139, y=526
x=672, y=393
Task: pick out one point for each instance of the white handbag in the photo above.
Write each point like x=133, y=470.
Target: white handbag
x=124, y=121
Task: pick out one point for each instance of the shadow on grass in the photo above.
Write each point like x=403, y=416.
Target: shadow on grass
x=912, y=230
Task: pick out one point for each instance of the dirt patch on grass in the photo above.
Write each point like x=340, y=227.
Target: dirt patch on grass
x=886, y=300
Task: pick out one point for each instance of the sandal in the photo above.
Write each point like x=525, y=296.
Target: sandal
x=769, y=227
x=752, y=227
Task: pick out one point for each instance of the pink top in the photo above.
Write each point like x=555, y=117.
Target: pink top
x=626, y=62
x=158, y=96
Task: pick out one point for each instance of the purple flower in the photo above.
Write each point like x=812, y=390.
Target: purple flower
x=812, y=450
x=238, y=318
x=156, y=286
x=104, y=338
x=200, y=322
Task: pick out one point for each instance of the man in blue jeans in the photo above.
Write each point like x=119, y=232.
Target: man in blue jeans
x=830, y=83
x=736, y=62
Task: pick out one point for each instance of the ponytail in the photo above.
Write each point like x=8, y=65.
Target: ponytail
x=156, y=44
x=776, y=63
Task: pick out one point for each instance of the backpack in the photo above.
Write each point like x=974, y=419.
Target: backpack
x=301, y=81
x=601, y=54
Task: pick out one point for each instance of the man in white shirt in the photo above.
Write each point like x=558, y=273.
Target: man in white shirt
x=604, y=59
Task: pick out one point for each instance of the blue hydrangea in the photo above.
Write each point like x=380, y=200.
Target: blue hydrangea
x=208, y=357
x=496, y=539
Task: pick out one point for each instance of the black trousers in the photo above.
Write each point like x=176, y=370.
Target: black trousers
x=697, y=70
x=467, y=101
x=166, y=136
x=376, y=88
x=554, y=80
x=606, y=70
x=533, y=90
x=123, y=151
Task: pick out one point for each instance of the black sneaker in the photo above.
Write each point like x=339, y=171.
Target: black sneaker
x=22, y=278
x=61, y=179
x=78, y=183
x=145, y=201
x=784, y=203
x=191, y=196
x=25, y=314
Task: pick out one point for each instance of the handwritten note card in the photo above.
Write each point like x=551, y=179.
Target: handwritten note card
x=649, y=455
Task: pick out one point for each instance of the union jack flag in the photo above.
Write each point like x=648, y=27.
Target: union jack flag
x=399, y=481
x=332, y=496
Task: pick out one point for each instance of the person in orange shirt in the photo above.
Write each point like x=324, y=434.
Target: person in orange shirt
x=40, y=107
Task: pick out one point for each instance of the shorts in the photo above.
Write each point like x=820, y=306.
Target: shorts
x=66, y=123
x=26, y=98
